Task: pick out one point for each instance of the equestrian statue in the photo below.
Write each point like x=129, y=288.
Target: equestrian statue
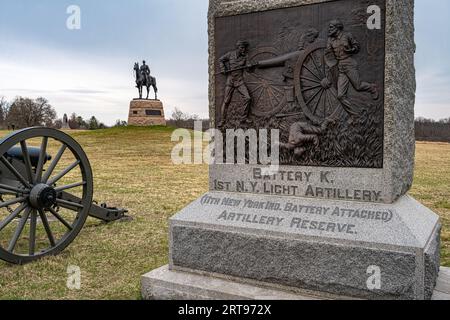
x=144, y=79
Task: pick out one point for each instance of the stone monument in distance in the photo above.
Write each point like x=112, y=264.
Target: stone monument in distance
x=65, y=123
x=337, y=79
x=145, y=112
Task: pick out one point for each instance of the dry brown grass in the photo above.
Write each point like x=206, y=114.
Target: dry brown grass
x=132, y=169
x=432, y=186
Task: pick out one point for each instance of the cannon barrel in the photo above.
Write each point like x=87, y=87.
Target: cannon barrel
x=16, y=153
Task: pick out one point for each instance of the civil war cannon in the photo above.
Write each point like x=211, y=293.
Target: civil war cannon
x=46, y=194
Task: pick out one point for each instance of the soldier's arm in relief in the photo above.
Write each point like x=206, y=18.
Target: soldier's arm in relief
x=353, y=45
x=224, y=62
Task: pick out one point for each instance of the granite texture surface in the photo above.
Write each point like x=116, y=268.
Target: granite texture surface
x=165, y=284
x=314, y=245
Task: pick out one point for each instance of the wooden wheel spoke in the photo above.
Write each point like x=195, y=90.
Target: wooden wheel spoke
x=42, y=155
x=11, y=202
x=13, y=216
x=311, y=88
x=15, y=172
x=32, y=240
x=61, y=219
x=313, y=97
x=266, y=96
x=274, y=88
x=259, y=96
x=12, y=189
x=63, y=173
x=271, y=98
x=26, y=159
x=309, y=79
x=48, y=231
x=257, y=87
x=54, y=163
x=70, y=186
x=19, y=230
x=316, y=76
x=316, y=66
x=69, y=204
x=318, y=102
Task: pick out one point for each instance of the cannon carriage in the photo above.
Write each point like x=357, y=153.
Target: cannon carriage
x=310, y=84
x=46, y=194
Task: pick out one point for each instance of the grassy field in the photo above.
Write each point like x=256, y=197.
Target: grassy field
x=132, y=169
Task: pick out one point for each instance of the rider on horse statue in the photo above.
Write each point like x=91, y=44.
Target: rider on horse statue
x=145, y=71
x=144, y=79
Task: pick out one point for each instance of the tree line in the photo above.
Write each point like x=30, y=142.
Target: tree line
x=432, y=130
x=25, y=112
x=185, y=120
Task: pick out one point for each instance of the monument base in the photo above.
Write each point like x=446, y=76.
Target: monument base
x=146, y=113
x=163, y=284
x=350, y=249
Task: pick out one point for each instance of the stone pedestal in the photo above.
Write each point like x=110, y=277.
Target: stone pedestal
x=324, y=248
x=146, y=113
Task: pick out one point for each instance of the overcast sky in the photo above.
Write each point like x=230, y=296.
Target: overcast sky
x=89, y=71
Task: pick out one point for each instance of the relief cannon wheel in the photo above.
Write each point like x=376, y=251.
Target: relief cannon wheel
x=268, y=96
x=317, y=98
x=37, y=166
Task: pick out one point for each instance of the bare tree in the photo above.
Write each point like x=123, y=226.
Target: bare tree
x=4, y=108
x=432, y=130
x=73, y=122
x=181, y=119
x=179, y=115
x=26, y=112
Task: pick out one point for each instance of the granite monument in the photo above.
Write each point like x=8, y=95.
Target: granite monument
x=65, y=123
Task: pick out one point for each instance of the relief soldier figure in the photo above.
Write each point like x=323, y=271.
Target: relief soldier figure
x=341, y=48
x=303, y=134
x=233, y=64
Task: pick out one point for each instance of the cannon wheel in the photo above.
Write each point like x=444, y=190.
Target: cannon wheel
x=268, y=95
x=317, y=102
x=26, y=216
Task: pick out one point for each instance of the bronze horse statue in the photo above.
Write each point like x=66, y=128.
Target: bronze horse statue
x=143, y=81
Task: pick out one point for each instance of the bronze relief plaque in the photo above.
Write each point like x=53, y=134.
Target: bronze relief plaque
x=315, y=72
